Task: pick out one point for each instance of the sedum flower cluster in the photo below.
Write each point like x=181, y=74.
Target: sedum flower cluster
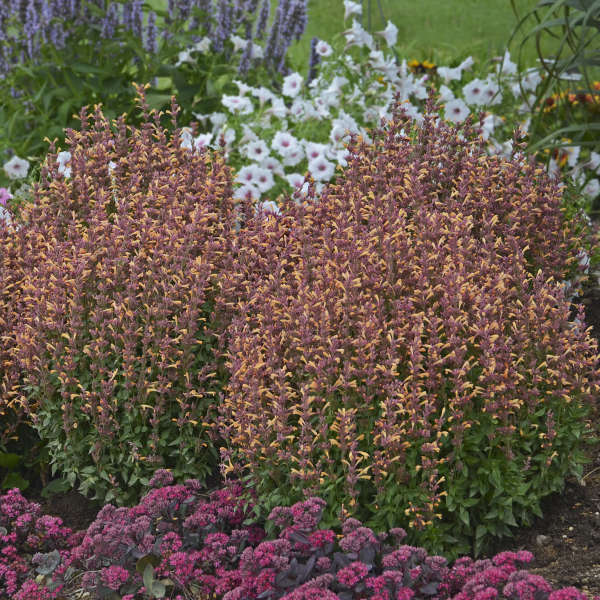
x=175, y=541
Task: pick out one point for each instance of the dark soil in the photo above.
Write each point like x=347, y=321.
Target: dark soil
x=565, y=542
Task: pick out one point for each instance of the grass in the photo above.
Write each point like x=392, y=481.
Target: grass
x=438, y=30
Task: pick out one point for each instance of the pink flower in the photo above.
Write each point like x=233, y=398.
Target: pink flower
x=352, y=574
x=5, y=196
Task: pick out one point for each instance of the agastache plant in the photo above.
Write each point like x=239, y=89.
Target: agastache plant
x=409, y=324
x=115, y=330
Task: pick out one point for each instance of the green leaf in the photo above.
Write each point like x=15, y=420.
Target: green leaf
x=148, y=576
x=156, y=100
x=13, y=480
x=9, y=460
x=480, y=531
x=509, y=518
x=55, y=487
x=85, y=68
x=143, y=562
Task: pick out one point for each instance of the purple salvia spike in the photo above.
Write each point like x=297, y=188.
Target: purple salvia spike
x=151, y=33
x=263, y=18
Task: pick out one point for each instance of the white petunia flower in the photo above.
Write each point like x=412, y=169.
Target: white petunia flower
x=446, y=94
x=184, y=56
x=413, y=112
x=474, y=92
x=386, y=65
x=243, y=87
x=337, y=83
x=284, y=143
x=248, y=134
x=293, y=157
x=531, y=80
x=273, y=165
x=347, y=121
x=295, y=180
x=553, y=168
x=310, y=112
x=524, y=125
x=321, y=169
x=241, y=105
x=322, y=48
x=322, y=107
x=492, y=92
x=226, y=137
x=201, y=118
x=257, y=51
x=256, y=150
x=467, y=63
x=292, y=84
x=572, y=153
x=263, y=94
x=594, y=161
x=592, y=188
x=342, y=157
x=278, y=108
x=16, y=168
x=389, y=34
x=187, y=141
x=203, y=141
x=315, y=150
x=238, y=43
x=508, y=67
x=218, y=119
x=456, y=110
x=298, y=108
x=203, y=45
x=263, y=179
x=455, y=73
x=63, y=158
x=490, y=122
x=371, y=114
x=419, y=90
x=247, y=175
x=5, y=215
x=267, y=207
x=351, y=8
x=339, y=134
x=246, y=192
x=358, y=36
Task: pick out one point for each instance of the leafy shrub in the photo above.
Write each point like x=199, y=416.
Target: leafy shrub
x=397, y=357
x=201, y=549
x=114, y=346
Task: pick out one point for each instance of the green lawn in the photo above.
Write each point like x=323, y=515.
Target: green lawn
x=438, y=30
